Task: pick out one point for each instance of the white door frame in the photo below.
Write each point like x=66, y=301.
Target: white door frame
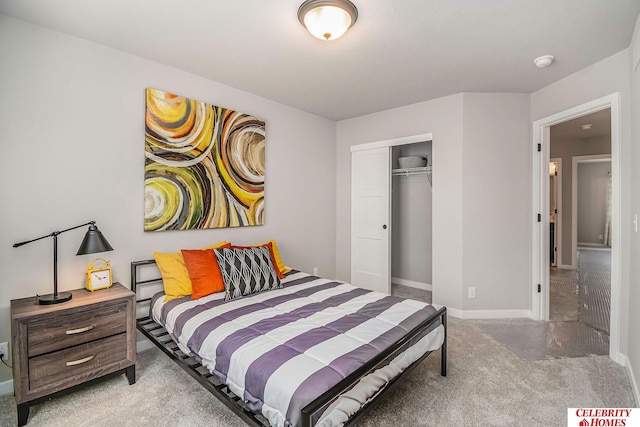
x=540, y=194
x=558, y=231
x=577, y=160
x=423, y=137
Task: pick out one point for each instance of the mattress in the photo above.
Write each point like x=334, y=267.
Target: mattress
x=281, y=349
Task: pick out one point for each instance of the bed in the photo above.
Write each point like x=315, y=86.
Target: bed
x=316, y=352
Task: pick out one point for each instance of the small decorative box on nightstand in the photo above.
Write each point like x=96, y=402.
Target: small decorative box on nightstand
x=59, y=347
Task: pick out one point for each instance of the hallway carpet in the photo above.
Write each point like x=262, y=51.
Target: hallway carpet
x=594, y=280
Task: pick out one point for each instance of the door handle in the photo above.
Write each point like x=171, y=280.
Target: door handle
x=384, y=227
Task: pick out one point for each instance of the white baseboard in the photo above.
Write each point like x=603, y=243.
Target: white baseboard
x=490, y=314
x=412, y=284
x=591, y=245
x=6, y=387
x=566, y=267
x=632, y=377
x=596, y=248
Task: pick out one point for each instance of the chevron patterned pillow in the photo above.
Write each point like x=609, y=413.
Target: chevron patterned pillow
x=246, y=271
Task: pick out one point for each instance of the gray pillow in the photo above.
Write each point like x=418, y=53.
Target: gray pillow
x=246, y=271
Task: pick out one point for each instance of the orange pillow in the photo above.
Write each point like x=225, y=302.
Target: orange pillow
x=273, y=256
x=204, y=271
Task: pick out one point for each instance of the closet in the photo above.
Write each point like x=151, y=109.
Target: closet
x=411, y=208
x=391, y=214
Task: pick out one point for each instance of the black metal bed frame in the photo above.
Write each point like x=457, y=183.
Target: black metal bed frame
x=310, y=413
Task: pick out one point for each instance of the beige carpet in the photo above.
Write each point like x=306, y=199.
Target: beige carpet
x=487, y=385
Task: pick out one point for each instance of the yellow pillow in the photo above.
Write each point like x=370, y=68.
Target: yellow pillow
x=283, y=269
x=175, y=275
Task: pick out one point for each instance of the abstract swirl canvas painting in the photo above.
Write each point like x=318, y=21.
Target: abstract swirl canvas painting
x=204, y=165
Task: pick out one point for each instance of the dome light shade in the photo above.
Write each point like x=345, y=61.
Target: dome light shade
x=544, y=61
x=327, y=20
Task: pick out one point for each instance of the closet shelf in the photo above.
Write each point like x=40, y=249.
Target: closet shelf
x=426, y=170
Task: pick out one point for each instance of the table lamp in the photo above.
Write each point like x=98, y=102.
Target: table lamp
x=92, y=243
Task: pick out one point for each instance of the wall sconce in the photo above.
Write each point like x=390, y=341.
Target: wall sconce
x=552, y=168
x=327, y=20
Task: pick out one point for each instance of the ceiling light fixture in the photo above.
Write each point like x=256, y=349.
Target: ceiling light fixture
x=586, y=126
x=327, y=20
x=544, y=61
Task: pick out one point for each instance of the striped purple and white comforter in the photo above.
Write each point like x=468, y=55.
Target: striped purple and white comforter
x=283, y=348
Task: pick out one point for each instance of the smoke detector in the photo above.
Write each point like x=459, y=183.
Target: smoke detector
x=544, y=61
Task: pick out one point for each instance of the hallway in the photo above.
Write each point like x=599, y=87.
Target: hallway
x=580, y=304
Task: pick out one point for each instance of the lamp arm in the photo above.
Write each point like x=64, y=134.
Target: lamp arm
x=55, y=233
x=77, y=226
x=33, y=240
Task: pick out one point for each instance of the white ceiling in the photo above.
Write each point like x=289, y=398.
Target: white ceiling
x=571, y=130
x=398, y=52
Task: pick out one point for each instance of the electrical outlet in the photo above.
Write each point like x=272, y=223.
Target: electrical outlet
x=315, y=271
x=4, y=349
x=472, y=292
x=600, y=237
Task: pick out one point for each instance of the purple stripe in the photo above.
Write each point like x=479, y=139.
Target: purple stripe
x=263, y=367
x=321, y=381
x=170, y=305
x=204, y=329
x=184, y=317
x=310, y=290
x=325, y=378
x=233, y=342
x=299, y=281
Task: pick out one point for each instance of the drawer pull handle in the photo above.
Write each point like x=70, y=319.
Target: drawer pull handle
x=80, y=330
x=80, y=361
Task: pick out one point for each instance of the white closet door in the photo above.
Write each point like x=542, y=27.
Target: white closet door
x=370, y=219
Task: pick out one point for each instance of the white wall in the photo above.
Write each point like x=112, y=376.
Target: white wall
x=497, y=201
x=443, y=118
x=603, y=78
x=633, y=350
x=593, y=185
x=72, y=120
x=566, y=150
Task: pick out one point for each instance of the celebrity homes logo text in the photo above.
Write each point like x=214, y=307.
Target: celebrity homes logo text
x=603, y=417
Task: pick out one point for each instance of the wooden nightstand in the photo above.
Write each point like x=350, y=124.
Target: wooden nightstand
x=60, y=347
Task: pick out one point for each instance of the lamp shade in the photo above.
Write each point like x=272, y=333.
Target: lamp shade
x=327, y=20
x=93, y=242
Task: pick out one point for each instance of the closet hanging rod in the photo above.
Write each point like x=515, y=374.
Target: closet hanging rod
x=412, y=171
x=426, y=170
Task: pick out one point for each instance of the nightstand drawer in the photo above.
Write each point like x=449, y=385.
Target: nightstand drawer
x=94, y=358
x=76, y=327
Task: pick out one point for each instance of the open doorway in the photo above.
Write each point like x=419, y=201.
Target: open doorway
x=568, y=259
x=580, y=267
